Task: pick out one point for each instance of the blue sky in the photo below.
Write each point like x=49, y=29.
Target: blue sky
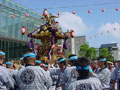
x=83, y=23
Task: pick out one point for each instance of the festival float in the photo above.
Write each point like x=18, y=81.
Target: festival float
x=48, y=33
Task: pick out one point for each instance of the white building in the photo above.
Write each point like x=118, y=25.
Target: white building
x=112, y=47
x=74, y=45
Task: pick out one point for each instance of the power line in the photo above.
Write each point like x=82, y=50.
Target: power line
x=85, y=5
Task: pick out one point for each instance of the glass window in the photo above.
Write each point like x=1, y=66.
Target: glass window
x=17, y=7
x=11, y=10
x=17, y=12
x=10, y=52
x=3, y=23
x=0, y=45
x=15, y=44
x=17, y=30
x=4, y=8
x=10, y=25
x=6, y=45
x=23, y=10
x=10, y=5
x=3, y=45
x=27, y=11
x=4, y=2
x=29, y=25
x=11, y=44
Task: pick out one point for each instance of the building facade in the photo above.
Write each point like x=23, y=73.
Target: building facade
x=98, y=52
x=12, y=19
x=74, y=45
x=112, y=47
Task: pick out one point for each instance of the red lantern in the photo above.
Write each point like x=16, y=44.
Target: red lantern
x=23, y=30
x=58, y=13
x=72, y=34
x=116, y=9
x=73, y=12
x=102, y=10
x=45, y=12
x=12, y=16
x=27, y=15
x=89, y=11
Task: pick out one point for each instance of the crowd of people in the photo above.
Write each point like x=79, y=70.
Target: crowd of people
x=77, y=74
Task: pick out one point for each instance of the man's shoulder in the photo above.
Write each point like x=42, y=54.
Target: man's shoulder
x=71, y=68
x=34, y=68
x=106, y=70
x=89, y=80
x=94, y=79
x=90, y=83
x=3, y=69
x=117, y=68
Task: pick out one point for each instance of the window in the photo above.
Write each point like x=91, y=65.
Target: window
x=10, y=25
x=3, y=23
x=17, y=29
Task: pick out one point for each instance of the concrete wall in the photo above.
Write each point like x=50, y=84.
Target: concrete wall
x=74, y=45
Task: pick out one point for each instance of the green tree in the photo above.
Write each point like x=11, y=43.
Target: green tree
x=110, y=57
x=88, y=52
x=91, y=53
x=83, y=49
x=104, y=52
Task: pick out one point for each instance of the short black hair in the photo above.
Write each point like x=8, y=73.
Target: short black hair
x=37, y=64
x=100, y=57
x=72, y=55
x=64, y=62
x=72, y=61
x=83, y=62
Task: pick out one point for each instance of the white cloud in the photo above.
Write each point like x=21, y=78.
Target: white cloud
x=72, y=22
x=114, y=30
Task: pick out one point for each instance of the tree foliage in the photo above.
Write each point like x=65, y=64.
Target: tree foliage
x=91, y=53
x=83, y=50
x=108, y=55
x=88, y=52
x=104, y=52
